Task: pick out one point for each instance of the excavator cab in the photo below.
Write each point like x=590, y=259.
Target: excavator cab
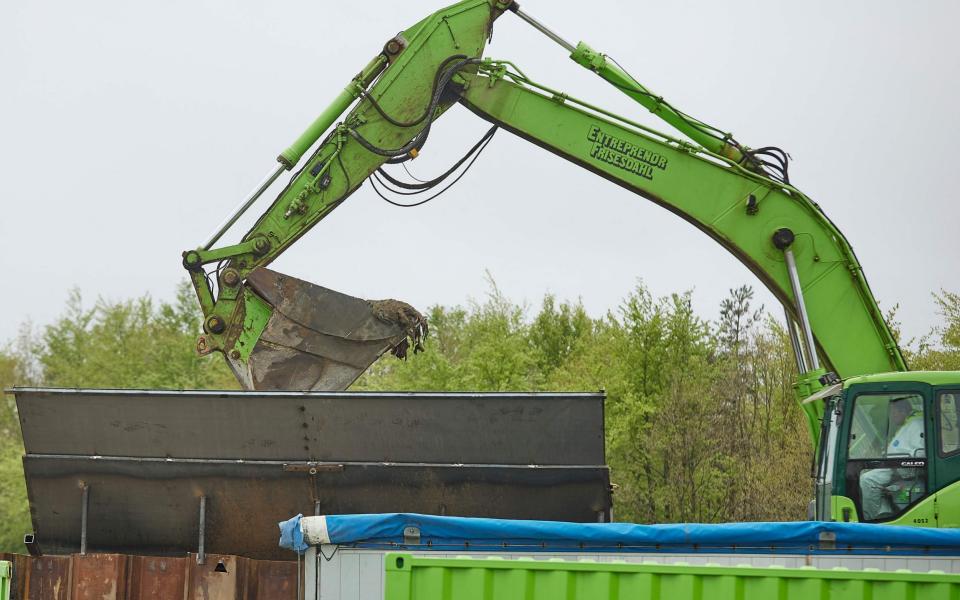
x=890, y=450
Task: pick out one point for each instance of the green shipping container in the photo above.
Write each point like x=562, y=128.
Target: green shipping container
x=6, y=572
x=420, y=578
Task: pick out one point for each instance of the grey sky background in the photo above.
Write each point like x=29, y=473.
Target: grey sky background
x=129, y=129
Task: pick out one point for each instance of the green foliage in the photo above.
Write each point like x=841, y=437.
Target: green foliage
x=128, y=344
x=14, y=510
x=693, y=408
x=939, y=350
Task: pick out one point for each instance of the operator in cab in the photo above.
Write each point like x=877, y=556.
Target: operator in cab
x=876, y=490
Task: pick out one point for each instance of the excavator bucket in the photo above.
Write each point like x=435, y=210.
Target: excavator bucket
x=316, y=339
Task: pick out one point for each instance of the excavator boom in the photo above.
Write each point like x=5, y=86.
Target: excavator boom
x=278, y=332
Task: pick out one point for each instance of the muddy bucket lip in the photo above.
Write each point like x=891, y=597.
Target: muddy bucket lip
x=319, y=339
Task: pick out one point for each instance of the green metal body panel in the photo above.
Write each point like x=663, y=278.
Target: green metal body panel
x=6, y=575
x=419, y=578
x=921, y=514
x=947, y=505
x=933, y=378
x=844, y=509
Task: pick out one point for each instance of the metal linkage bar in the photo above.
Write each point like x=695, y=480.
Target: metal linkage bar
x=802, y=309
x=783, y=240
x=245, y=204
x=795, y=342
x=515, y=8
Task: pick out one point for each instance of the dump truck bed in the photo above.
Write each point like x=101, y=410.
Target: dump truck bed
x=167, y=472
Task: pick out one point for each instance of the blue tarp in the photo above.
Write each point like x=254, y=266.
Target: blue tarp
x=291, y=536
x=445, y=533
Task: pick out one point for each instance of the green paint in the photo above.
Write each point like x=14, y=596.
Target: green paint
x=947, y=505
x=922, y=514
x=587, y=57
x=843, y=509
x=256, y=314
x=944, y=378
x=6, y=573
x=292, y=155
x=410, y=577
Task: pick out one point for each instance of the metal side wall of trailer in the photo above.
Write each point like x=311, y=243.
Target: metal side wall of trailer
x=333, y=573
x=408, y=577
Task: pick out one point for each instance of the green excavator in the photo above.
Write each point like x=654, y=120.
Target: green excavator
x=887, y=439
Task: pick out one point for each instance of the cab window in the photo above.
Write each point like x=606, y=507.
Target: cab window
x=886, y=471
x=877, y=418
x=948, y=407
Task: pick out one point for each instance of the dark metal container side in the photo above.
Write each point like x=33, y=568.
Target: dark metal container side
x=478, y=428
x=152, y=507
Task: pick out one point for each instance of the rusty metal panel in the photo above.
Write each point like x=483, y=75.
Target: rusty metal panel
x=129, y=577
x=156, y=578
x=220, y=577
x=452, y=428
x=274, y=580
x=152, y=506
x=48, y=578
x=100, y=576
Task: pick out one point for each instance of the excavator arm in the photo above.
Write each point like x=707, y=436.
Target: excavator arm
x=278, y=332
x=730, y=192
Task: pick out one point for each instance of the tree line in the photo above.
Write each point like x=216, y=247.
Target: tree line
x=701, y=420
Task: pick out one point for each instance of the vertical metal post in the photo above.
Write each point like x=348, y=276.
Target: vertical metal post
x=795, y=342
x=316, y=508
x=201, y=553
x=84, y=510
x=814, y=363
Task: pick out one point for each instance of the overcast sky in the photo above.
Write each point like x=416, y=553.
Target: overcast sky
x=129, y=129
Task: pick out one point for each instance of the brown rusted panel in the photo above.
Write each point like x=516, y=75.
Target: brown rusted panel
x=273, y=580
x=99, y=577
x=220, y=577
x=128, y=577
x=48, y=578
x=157, y=578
